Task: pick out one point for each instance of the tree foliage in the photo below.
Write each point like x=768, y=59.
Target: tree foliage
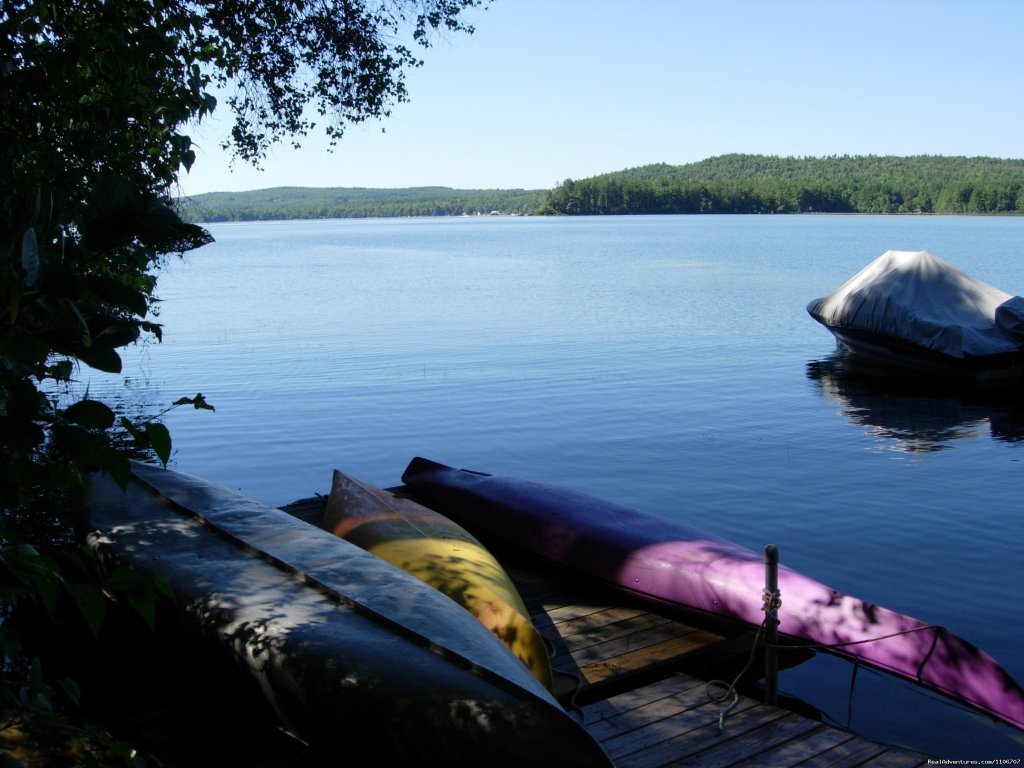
x=99, y=96
x=354, y=202
x=837, y=184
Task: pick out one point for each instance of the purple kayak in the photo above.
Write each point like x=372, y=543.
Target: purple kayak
x=705, y=576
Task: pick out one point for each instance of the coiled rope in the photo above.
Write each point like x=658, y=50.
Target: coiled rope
x=771, y=601
x=720, y=691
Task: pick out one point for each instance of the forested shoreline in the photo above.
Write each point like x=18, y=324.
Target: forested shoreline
x=734, y=183
x=765, y=184
x=355, y=202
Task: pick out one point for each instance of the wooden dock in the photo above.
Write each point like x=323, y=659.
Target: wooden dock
x=623, y=666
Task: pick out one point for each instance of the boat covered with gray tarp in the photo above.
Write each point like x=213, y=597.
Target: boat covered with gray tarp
x=911, y=308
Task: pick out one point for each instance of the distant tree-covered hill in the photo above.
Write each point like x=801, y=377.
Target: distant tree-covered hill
x=340, y=203
x=767, y=184
x=724, y=184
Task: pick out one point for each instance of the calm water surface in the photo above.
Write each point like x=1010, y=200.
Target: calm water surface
x=662, y=362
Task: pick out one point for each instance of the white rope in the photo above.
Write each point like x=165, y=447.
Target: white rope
x=728, y=690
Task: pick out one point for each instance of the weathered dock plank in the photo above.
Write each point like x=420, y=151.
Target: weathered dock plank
x=663, y=736
x=628, y=710
x=697, y=736
x=893, y=758
x=747, y=747
x=649, y=658
x=848, y=754
x=795, y=750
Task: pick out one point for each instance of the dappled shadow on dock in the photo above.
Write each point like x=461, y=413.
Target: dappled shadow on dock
x=921, y=414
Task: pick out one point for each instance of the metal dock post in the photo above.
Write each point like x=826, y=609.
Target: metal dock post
x=772, y=602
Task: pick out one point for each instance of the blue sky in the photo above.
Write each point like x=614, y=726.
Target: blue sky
x=552, y=89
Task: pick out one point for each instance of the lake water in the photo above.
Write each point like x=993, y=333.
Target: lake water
x=663, y=362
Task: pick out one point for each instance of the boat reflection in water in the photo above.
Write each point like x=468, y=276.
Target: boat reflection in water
x=921, y=414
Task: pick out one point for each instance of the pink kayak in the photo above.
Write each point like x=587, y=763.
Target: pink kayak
x=700, y=574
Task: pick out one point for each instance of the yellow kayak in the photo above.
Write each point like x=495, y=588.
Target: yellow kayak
x=441, y=553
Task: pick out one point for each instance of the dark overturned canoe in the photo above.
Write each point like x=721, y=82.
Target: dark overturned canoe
x=358, y=657
x=711, y=579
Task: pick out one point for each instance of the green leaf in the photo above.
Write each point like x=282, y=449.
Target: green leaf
x=101, y=358
x=161, y=586
x=48, y=588
x=91, y=603
x=115, y=333
x=27, y=567
x=71, y=689
x=144, y=603
x=123, y=579
x=27, y=551
x=20, y=434
x=155, y=328
x=26, y=348
x=37, y=206
x=198, y=402
x=160, y=441
x=36, y=694
x=139, y=590
x=30, y=260
x=61, y=370
x=90, y=413
x=119, y=468
x=117, y=293
x=134, y=431
x=81, y=446
x=72, y=307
